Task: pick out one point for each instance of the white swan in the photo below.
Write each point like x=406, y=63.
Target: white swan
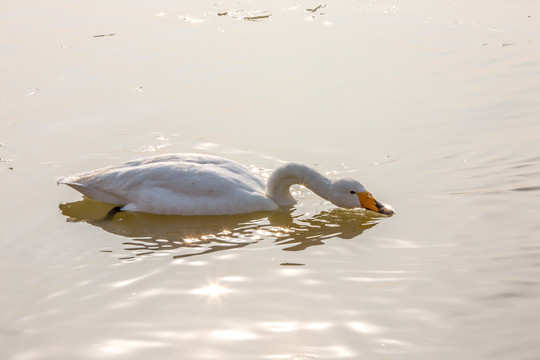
x=195, y=184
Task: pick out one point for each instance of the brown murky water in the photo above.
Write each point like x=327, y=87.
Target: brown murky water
x=433, y=106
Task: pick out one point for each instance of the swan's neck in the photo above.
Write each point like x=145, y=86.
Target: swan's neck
x=289, y=174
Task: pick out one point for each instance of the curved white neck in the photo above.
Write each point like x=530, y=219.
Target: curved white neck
x=289, y=174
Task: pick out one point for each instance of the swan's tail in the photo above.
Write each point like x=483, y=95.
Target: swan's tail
x=92, y=192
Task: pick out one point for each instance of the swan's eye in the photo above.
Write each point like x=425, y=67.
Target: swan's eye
x=353, y=192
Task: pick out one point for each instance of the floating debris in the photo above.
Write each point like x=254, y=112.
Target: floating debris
x=257, y=17
x=103, y=35
x=253, y=15
x=291, y=264
x=316, y=8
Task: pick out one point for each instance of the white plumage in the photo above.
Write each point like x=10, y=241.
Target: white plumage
x=196, y=184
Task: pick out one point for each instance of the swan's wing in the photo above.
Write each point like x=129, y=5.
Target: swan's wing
x=199, y=189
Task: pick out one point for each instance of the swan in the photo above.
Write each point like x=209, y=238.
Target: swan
x=197, y=184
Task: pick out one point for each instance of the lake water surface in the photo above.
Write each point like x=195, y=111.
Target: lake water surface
x=433, y=106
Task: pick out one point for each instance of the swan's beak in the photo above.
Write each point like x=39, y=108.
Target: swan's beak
x=368, y=202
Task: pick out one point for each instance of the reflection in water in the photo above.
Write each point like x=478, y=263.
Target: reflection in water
x=185, y=236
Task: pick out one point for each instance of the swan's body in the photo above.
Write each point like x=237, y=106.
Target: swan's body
x=195, y=184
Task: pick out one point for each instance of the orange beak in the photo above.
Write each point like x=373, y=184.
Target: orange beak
x=368, y=202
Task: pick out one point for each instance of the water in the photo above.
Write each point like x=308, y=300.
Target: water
x=433, y=106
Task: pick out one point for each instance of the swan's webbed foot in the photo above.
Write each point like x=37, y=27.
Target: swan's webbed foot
x=110, y=215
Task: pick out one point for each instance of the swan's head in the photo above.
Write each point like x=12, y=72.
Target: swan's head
x=349, y=193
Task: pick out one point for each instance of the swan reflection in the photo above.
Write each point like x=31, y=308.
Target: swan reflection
x=184, y=236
